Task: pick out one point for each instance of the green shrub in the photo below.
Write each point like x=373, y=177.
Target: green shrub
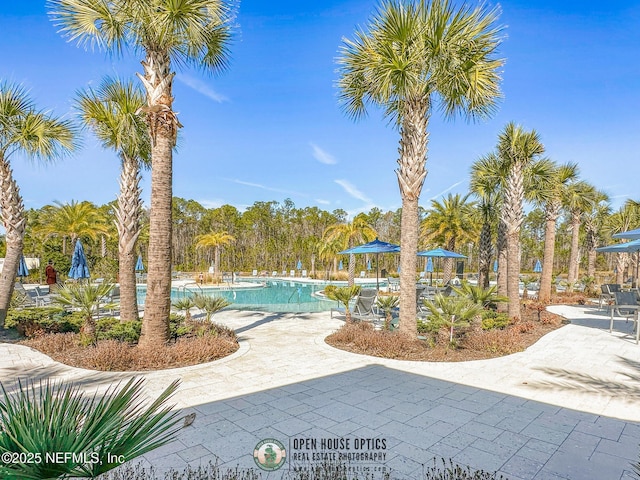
x=30, y=322
x=492, y=319
x=330, y=290
x=110, y=328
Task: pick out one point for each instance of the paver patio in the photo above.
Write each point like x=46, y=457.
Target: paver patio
x=566, y=408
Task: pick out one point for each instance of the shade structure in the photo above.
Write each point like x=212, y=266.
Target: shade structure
x=79, y=267
x=23, y=270
x=537, y=267
x=376, y=246
x=440, y=253
x=631, y=234
x=139, y=264
x=633, y=246
x=299, y=265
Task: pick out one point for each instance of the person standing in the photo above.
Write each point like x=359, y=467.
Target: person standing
x=52, y=276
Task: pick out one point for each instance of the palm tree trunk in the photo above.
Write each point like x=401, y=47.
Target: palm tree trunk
x=546, y=277
x=574, y=258
x=411, y=173
x=14, y=221
x=447, y=274
x=621, y=264
x=484, y=255
x=128, y=225
x=163, y=128
x=501, y=249
x=352, y=269
x=591, y=241
x=513, y=216
x=216, y=262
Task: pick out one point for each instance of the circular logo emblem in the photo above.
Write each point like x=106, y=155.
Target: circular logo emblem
x=270, y=454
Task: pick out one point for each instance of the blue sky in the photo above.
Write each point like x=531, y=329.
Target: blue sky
x=270, y=127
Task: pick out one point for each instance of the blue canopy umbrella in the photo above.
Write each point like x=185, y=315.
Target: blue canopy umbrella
x=377, y=247
x=440, y=253
x=299, y=265
x=537, y=267
x=633, y=246
x=139, y=264
x=631, y=234
x=79, y=267
x=340, y=265
x=23, y=271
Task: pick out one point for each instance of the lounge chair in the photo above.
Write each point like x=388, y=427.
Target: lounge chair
x=254, y=273
x=362, y=274
x=27, y=297
x=394, y=284
x=365, y=303
x=274, y=273
x=292, y=273
x=304, y=274
x=626, y=305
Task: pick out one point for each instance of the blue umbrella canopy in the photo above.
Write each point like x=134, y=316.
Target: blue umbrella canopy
x=79, y=267
x=299, y=265
x=495, y=265
x=376, y=246
x=537, y=267
x=631, y=234
x=340, y=265
x=23, y=270
x=621, y=247
x=440, y=252
x=139, y=264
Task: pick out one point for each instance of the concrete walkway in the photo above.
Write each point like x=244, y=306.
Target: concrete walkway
x=566, y=408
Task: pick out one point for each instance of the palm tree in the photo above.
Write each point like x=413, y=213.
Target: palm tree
x=579, y=198
x=86, y=298
x=35, y=134
x=110, y=112
x=167, y=32
x=448, y=223
x=75, y=220
x=549, y=195
x=594, y=219
x=215, y=240
x=412, y=55
x=487, y=180
x=347, y=235
x=518, y=149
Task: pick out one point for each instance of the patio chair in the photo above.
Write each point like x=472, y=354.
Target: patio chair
x=362, y=274
x=292, y=273
x=42, y=297
x=626, y=305
x=27, y=297
x=365, y=303
x=274, y=273
x=606, y=296
x=394, y=284
x=304, y=274
x=254, y=273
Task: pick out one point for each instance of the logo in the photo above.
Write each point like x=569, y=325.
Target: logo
x=270, y=454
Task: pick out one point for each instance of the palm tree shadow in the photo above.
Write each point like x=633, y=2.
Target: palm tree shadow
x=563, y=379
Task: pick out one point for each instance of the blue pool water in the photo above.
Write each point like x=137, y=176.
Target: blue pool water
x=275, y=296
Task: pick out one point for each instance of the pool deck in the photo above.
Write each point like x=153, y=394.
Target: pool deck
x=566, y=408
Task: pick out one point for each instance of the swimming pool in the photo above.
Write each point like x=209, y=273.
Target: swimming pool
x=274, y=296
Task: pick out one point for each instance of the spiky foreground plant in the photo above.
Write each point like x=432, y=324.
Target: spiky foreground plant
x=98, y=433
x=87, y=299
x=344, y=296
x=209, y=304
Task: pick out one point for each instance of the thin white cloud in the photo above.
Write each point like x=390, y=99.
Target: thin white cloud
x=323, y=202
x=265, y=187
x=201, y=87
x=447, y=189
x=322, y=156
x=353, y=191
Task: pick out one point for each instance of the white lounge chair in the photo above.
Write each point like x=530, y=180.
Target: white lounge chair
x=304, y=274
x=292, y=273
x=254, y=273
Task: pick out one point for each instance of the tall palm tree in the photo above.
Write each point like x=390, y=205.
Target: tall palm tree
x=518, y=149
x=579, y=198
x=413, y=55
x=594, y=219
x=449, y=223
x=215, y=240
x=347, y=235
x=24, y=130
x=167, y=32
x=111, y=114
x=549, y=195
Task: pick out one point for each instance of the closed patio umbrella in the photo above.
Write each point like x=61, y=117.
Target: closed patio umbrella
x=79, y=267
x=139, y=264
x=537, y=267
x=23, y=270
